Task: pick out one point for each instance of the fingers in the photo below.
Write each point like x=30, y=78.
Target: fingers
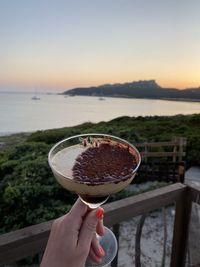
x=88, y=228
x=96, y=250
x=79, y=208
x=85, y=224
x=77, y=213
x=95, y=257
x=100, y=228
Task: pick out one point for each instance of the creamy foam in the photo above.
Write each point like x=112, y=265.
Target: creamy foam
x=64, y=160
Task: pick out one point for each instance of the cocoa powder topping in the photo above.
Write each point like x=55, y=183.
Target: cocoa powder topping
x=105, y=162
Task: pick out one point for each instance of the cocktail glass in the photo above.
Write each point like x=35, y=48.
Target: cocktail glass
x=67, y=157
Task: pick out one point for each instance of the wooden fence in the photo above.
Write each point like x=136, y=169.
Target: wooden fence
x=162, y=161
x=176, y=147
x=32, y=240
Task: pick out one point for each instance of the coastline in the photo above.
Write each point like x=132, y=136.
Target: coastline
x=105, y=96
x=129, y=97
x=6, y=134
x=182, y=100
x=53, y=111
x=23, y=133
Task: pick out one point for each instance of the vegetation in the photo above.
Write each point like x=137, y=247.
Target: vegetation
x=28, y=191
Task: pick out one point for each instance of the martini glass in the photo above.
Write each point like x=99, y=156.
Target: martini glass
x=95, y=166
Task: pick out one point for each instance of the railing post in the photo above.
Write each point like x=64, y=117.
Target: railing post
x=138, y=240
x=145, y=151
x=175, y=149
x=181, y=229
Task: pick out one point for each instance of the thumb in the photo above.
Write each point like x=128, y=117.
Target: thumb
x=88, y=228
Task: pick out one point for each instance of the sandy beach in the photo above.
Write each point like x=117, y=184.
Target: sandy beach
x=151, y=240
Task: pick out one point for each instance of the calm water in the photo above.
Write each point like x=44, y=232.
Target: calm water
x=19, y=113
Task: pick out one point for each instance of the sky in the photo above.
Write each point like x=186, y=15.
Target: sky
x=55, y=45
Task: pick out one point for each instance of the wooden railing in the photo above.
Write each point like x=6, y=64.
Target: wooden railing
x=162, y=161
x=32, y=240
x=176, y=149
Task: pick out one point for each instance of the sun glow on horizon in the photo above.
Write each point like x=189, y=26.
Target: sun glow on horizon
x=70, y=46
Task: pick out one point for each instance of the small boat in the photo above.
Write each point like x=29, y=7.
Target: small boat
x=101, y=98
x=35, y=97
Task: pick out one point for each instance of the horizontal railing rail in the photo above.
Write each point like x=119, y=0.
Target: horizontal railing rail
x=176, y=146
x=175, y=142
x=162, y=154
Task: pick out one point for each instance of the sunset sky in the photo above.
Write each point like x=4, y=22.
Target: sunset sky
x=61, y=44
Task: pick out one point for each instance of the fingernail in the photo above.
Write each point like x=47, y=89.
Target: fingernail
x=101, y=250
x=98, y=259
x=99, y=213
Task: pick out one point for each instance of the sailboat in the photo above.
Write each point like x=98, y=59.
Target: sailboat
x=35, y=97
x=101, y=98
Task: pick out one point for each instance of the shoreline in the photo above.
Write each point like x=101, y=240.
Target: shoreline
x=27, y=133
x=106, y=96
x=144, y=98
x=6, y=134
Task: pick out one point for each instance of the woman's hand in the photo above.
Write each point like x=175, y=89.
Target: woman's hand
x=73, y=238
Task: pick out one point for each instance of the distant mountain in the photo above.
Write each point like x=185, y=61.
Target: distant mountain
x=139, y=89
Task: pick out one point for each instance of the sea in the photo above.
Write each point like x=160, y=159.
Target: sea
x=20, y=113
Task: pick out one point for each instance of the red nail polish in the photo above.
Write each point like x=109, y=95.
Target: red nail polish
x=100, y=213
x=98, y=259
x=101, y=250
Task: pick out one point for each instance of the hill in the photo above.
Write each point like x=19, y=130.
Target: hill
x=139, y=89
